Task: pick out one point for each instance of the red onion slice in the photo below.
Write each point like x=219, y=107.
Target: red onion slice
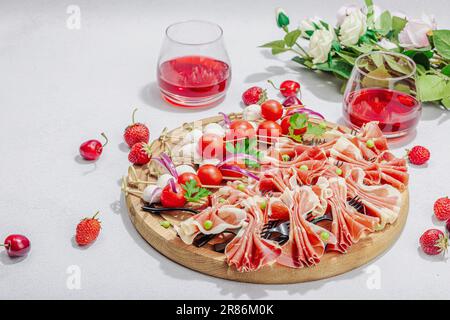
x=169, y=165
x=173, y=186
x=226, y=119
x=240, y=170
x=306, y=111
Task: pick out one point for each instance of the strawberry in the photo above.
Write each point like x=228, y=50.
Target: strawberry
x=254, y=95
x=87, y=230
x=418, y=155
x=139, y=153
x=136, y=132
x=434, y=242
x=442, y=208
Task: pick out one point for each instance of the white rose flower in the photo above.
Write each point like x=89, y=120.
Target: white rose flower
x=415, y=33
x=353, y=28
x=386, y=44
x=320, y=45
x=345, y=11
x=308, y=25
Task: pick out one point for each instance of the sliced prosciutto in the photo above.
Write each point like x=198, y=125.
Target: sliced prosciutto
x=348, y=224
x=248, y=251
x=305, y=246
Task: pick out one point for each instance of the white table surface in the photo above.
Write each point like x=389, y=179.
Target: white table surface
x=59, y=87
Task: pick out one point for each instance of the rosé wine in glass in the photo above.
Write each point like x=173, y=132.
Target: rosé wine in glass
x=383, y=88
x=193, y=67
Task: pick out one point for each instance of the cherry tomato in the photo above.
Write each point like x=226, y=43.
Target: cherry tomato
x=268, y=129
x=279, y=211
x=188, y=176
x=286, y=124
x=170, y=199
x=266, y=185
x=240, y=129
x=272, y=110
x=209, y=175
x=211, y=146
x=289, y=88
x=233, y=174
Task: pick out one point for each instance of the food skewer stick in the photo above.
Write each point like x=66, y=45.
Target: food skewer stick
x=126, y=190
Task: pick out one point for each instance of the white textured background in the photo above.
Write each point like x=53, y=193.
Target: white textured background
x=59, y=87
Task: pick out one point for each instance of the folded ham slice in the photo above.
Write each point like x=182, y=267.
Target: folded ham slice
x=348, y=224
x=248, y=251
x=382, y=201
x=223, y=217
x=305, y=246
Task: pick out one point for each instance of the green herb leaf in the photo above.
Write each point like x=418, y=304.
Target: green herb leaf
x=315, y=129
x=398, y=24
x=294, y=136
x=193, y=192
x=291, y=38
x=441, y=39
x=298, y=121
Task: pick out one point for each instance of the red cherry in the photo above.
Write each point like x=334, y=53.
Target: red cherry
x=17, y=245
x=92, y=149
x=287, y=88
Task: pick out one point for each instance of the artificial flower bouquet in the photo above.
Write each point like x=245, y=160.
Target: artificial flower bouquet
x=362, y=30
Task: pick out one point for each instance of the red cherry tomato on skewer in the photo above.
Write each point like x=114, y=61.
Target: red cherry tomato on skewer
x=269, y=129
x=209, y=175
x=188, y=176
x=211, y=146
x=286, y=124
x=272, y=110
x=171, y=199
x=240, y=129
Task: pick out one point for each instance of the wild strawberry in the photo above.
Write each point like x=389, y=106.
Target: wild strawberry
x=139, y=153
x=434, y=242
x=254, y=95
x=442, y=208
x=136, y=132
x=87, y=230
x=418, y=155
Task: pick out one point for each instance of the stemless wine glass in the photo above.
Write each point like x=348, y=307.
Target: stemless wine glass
x=193, y=67
x=382, y=88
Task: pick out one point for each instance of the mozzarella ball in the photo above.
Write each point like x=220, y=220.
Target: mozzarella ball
x=214, y=128
x=163, y=180
x=185, y=168
x=252, y=112
x=193, y=136
x=152, y=194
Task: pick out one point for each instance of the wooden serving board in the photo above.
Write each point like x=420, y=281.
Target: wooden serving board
x=207, y=261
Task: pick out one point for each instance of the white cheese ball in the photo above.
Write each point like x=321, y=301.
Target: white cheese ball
x=252, y=112
x=185, y=168
x=214, y=128
x=163, y=180
x=152, y=194
x=193, y=136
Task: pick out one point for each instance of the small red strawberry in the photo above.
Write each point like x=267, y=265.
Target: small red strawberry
x=254, y=95
x=136, y=132
x=139, y=153
x=87, y=230
x=418, y=155
x=433, y=242
x=442, y=209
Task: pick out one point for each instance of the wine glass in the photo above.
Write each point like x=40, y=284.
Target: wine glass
x=382, y=88
x=193, y=67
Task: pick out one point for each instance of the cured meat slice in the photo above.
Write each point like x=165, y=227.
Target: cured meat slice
x=371, y=131
x=222, y=217
x=348, y=224
x=382, y=201
x=305, y=246
x=248, y=251
x=393, y=170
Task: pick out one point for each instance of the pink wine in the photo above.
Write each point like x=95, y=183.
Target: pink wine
x=193, y=80
x=396, y=112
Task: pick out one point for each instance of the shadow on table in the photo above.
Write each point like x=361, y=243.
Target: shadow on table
x=227, y=287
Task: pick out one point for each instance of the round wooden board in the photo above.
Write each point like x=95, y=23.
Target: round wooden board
x=207, y=261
